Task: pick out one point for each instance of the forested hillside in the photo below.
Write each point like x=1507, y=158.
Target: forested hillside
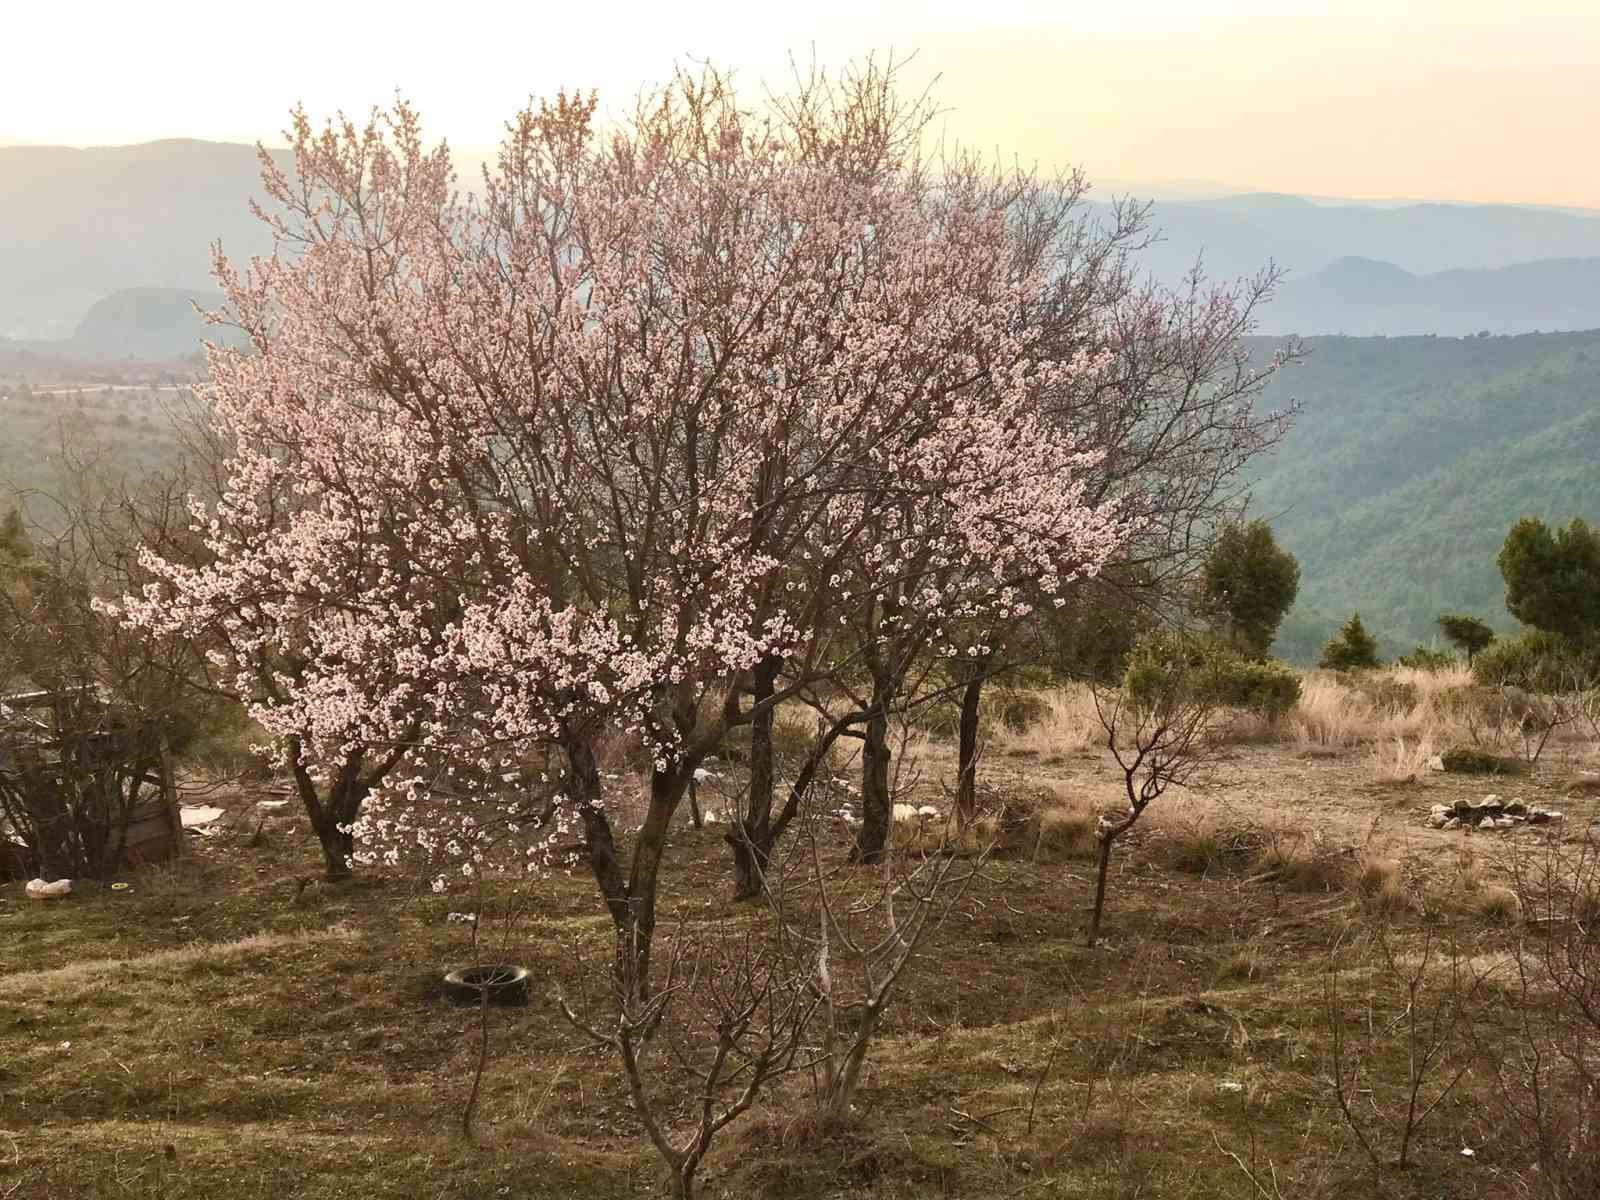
x=1410, y=460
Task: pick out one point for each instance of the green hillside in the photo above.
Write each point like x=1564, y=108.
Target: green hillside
x=1410, y=460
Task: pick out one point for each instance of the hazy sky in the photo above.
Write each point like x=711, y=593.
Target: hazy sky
x=1445, y=99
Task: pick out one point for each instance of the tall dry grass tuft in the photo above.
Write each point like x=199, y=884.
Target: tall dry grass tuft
x=1401, y=705
x=1066, y=831
x=1402, y=760
x=1066, y=724
x=1329, y=715
x=1431, y=686
x=1380, y=882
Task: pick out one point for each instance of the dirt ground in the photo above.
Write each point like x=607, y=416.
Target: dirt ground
x=224, y=1027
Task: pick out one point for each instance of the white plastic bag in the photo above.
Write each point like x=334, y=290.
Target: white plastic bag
x=38, y=889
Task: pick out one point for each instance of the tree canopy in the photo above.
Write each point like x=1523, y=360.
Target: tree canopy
x=1248, y=584
x=1552, y=576
x=1351, y=649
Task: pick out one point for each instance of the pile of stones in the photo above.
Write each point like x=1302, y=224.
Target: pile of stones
x=1489, y=813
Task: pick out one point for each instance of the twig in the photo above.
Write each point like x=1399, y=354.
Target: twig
x=1248, y=1174
x=1033, y=1100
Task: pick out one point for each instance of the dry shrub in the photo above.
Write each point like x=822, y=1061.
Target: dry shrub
x=1468, y=878
x=1497, y=904
x=1065, y=831
x=1305, y=863
x=1244, y=965
x=1381, y=884
x=1402, y=760
x=1335, y=713
x=1065, y=722
x=1548, y=1070
x=1378, y=876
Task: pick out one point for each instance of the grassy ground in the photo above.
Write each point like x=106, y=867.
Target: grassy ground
x=218, y=1029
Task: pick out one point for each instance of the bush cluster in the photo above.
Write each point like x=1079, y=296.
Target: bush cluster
x=1425, y=658
x=1208, y=670
x=1537, y=660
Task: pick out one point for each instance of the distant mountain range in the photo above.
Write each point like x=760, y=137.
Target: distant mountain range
x=136, y=323
x=1362, y=298
x=1238, y=234
x=78, y=225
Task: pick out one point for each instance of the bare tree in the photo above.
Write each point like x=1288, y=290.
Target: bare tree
x=1415, y=1006
x=863, y=942
x=727, y=1020
x=1158, y=728
x=1548, y=1071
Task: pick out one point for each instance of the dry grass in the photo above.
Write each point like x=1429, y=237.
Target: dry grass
x=1206, y=844
x=281, y=1055
x=1329, y=715
x=1432, y=686
x=1067, y=725
x=1402, y=707
x=1498, y=905
x=1065, y=831
x=74, y=977
x=1401, y=759
x=1379, y=880
x=1305, y=862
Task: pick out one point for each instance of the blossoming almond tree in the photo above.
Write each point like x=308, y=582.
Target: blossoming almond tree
x=527, y=469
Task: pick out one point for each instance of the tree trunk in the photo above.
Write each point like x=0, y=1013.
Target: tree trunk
x=753, y=850
x=1102, y=865
x=331, y=816
x=751, y=835
x=967, y=758
x=634, y=942
x=338, y=845
x=876, y=803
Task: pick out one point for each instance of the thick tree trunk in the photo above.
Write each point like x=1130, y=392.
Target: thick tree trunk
x=877, y=805
x=752, y=848
x=751, y=835
x=667, y=789
x=338, y=847
x=967, y=758
x=332, y=816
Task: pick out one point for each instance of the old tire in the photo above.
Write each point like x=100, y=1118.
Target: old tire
x=499, y=983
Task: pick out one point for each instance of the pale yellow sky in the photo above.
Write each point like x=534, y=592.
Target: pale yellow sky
x=1442, y=99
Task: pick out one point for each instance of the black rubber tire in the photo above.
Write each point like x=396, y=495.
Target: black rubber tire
x=504, y=983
